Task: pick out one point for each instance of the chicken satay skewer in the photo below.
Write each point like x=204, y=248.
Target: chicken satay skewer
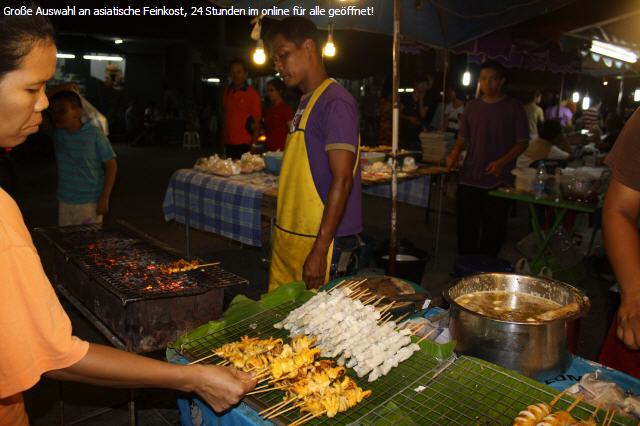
x=307, y=418
x=283, y=411
x=204, y=358
x=277, y=406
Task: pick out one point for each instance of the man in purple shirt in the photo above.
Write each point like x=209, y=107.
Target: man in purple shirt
x=495, y=132
x=319, y=194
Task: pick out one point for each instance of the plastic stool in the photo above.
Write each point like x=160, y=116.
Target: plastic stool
x=191, y=140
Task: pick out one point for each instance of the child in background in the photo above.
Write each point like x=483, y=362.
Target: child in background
x=86, y=163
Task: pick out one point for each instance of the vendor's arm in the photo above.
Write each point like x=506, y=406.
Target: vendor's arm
x=220, y=387
x=452, y=158
x=341, y=163
x=620, y=217
x=495, y=167
x=110, y=171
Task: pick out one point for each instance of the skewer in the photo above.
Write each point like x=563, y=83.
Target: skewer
x=205, y=265
x=338, y=285
x=402, y=317
x=281, y=412
x=305, y=419
x=223, y=362
x=380, y=299
x=263, y=390
x=606, y=417
x=369, y=300
x=202, y=359
x=426, y=336
x=387, y=307
x=275, y=407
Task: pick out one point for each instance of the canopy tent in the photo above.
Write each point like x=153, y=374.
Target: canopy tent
x=439, y=23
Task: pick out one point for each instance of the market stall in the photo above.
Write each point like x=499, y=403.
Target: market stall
x=430, y=386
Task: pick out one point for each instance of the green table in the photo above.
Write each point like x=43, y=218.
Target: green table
x=560, y=209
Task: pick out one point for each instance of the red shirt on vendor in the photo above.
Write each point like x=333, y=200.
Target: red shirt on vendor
x=242, y=112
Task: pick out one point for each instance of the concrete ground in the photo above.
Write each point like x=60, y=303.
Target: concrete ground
x=142, y=178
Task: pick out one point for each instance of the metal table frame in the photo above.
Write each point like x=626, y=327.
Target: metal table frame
x=560, y=209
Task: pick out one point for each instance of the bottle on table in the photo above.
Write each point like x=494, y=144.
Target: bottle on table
x=539, y=182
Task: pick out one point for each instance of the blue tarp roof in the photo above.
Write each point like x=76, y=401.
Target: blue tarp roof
x=439, y=23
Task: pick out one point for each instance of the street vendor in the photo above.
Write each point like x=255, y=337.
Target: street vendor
x=35, y=331
x=620, y=214
x=319, y=213
x=495, y=131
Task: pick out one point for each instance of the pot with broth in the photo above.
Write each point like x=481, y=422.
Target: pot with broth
x=517, y=321
x=507, y=305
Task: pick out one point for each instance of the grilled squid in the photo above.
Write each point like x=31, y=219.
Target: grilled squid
x=535, y=413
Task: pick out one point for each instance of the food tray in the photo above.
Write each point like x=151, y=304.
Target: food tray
x=462, y=391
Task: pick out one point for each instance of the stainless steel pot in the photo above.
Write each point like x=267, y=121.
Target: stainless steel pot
x=536, y=349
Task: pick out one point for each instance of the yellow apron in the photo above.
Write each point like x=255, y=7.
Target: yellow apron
x=300, y=208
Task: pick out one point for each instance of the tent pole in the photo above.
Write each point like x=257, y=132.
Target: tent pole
x=393, y=237
x=560, y=96
x=445, y=68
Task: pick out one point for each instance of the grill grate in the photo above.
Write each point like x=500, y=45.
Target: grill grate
x=128, y=267
x=462, y=391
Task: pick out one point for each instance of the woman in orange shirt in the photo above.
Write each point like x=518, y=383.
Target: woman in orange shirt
x=34, y=329
x=277, y=116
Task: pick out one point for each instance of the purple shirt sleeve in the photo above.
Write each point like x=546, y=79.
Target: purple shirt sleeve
x=341, y=125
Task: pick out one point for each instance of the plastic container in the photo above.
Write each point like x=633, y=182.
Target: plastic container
x=273, y=161
x=524, y=179
x=371, y=157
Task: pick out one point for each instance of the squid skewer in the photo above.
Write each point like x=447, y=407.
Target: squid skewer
x=561, y=418
x=536, y=412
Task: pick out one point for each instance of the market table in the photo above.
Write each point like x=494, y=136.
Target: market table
x=234, y=206
x=560, y=208
x=431, y=388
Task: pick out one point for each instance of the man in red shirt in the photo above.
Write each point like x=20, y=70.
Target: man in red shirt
x=242, y=112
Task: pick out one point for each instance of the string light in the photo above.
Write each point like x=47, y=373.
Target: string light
x=575, y=97
x=636, y=95
x=466, y=78
x=329, y=48
x=259, y=57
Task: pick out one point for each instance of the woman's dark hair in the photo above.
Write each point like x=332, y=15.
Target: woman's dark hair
x=18, y=35
x=67, y=96
x=296, y=29
x=550, y=130
x=278, y=85
x=533, y=95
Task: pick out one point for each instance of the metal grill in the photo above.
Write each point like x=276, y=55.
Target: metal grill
x=420, y=391
x=128, y=267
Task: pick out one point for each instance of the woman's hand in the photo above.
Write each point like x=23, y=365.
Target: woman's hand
x=629, y=322
x=221, y=387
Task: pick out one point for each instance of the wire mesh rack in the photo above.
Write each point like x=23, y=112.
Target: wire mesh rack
x=121, y=264
x=420, y=391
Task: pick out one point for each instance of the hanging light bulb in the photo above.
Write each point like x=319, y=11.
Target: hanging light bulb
x=636, y=95
x=575, y=97
x=466, y=78
x=259, y=57
x=586, y=102
x=329, y=48
x=605, y=82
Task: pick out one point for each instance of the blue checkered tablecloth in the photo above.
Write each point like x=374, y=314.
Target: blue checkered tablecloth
x=413, y=191
x=230, y=207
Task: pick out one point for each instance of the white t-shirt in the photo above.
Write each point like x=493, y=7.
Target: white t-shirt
x=453, y=115
x=540, y=149
x=535, y=115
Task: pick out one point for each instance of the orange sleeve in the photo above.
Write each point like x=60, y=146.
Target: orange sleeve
x=36, y=331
